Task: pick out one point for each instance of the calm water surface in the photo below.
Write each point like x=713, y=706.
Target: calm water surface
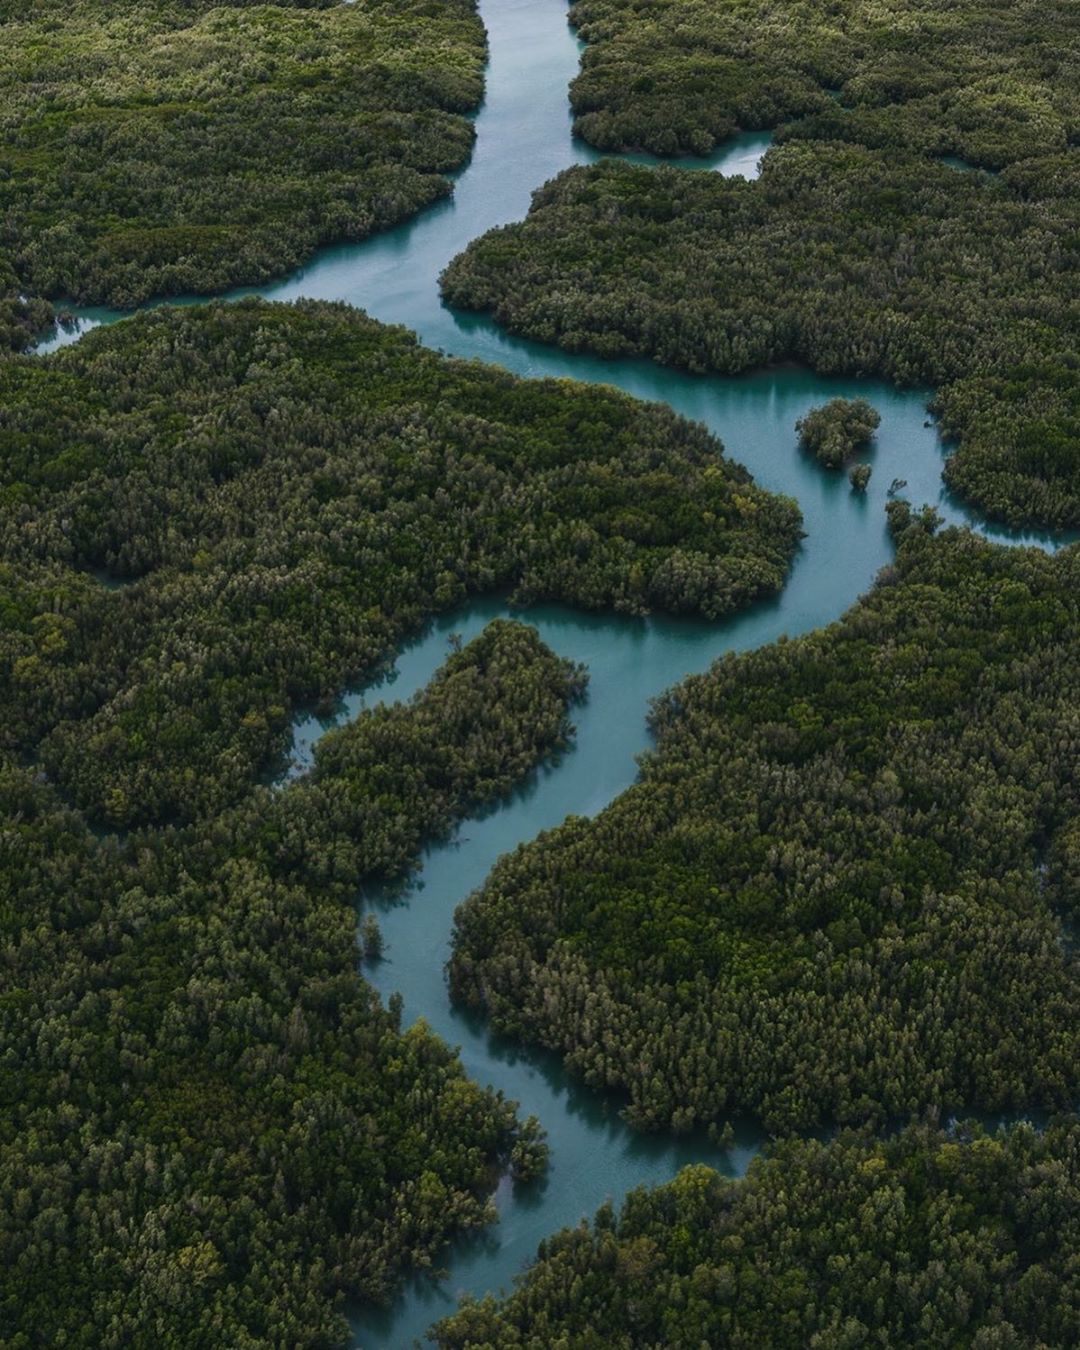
x=523, y=138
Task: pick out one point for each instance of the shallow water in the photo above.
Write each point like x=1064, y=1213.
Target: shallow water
x=523, y=138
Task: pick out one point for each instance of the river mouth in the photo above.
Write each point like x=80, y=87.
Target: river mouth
x=523, y=139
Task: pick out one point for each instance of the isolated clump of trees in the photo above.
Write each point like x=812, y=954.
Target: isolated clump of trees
x=859, y=477
x=927, y=1239
x=836, y=430
x=162, y=146
x=823, y=901
x=850, y=259
x=285, y=492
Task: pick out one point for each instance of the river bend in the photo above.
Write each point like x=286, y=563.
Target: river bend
x=523, y=139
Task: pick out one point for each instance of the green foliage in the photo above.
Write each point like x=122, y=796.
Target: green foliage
x=403, y=772
x=161, y=146
x=210, y=1129
x=529, y=1156
x=861, y=249
x=834, y=894
x=837, y=430
x=927, y=1240
x=860, y=477
x=988, y=80
x=22, y=318
x=848, y=259
x=371, y=938
x=288, y=491
x=822, y=899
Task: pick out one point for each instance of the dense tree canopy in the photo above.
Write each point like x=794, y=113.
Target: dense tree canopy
x=928, y=1240
x=287, y=491
x=210, y=1128
x=822, y=901
x=837, y=892
x=157, y=146
x=988, y=80
x=859, y=477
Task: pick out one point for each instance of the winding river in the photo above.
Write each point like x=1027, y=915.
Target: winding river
x=523, y=138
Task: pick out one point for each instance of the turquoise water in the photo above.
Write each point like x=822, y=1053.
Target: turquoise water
x=523, y=138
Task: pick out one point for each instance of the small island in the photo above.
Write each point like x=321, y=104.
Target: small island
x=859, y=477
x=838, y=429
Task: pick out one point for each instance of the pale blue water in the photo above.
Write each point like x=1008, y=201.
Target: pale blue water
x=523, y=138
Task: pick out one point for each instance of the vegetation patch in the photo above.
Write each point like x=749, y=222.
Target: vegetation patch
x=982, y=81
x=859, y=250
x=929, y=1239
x=837, y=430
x=823, y=901
x=289, y=491
x=162, y=146
x=211, y=1130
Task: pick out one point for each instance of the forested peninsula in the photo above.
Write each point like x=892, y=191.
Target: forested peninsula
x=826, y=898
x=864, y=247
x=987, y=80
x=284, y=492
x=163, y=146
x=926, y=1240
